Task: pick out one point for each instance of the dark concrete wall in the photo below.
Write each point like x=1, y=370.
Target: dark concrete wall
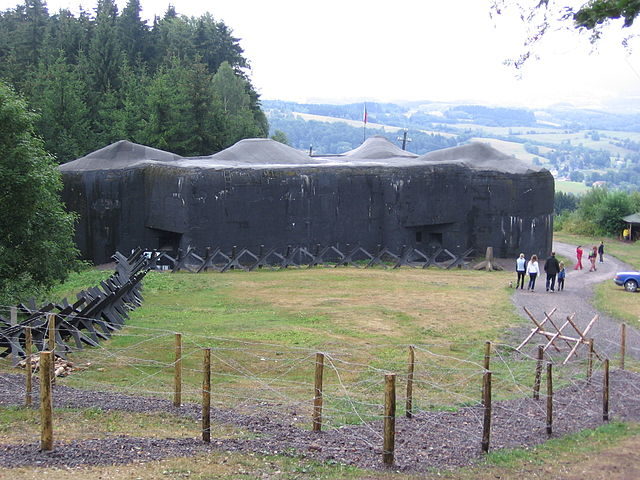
x=159, y=205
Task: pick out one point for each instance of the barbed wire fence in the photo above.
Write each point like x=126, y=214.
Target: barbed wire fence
x=276, y=386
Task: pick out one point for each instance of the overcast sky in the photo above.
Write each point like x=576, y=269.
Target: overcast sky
x=356, y=50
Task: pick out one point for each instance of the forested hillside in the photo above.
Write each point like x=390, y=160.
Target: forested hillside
x=178, y=84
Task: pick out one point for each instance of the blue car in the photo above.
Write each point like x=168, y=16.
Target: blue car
x=628, y=280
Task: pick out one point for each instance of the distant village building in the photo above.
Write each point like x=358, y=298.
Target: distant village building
x=261, y=192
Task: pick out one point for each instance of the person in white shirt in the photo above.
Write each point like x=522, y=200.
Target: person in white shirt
x=532, y=270
x=521, y=270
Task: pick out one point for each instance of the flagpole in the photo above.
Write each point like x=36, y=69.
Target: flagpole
x=364, y=127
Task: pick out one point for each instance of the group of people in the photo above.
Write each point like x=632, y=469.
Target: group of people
x=594, y=253
x=552, y=267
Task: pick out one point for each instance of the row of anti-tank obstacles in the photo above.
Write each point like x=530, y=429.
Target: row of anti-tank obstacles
x=96, y=313
x=389, y=416
x=216, y=259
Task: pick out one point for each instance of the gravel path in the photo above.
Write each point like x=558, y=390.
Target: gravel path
x=440, y=440
x=577, y=297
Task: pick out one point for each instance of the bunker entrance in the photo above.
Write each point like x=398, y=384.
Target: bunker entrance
x=430, y=236
x=165, y=240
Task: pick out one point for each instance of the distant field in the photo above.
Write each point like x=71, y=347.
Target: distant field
x=555, y=136
x=618, y=135
x=500, y=131
x=571, y=187
x=359, y=124
x=578, y=139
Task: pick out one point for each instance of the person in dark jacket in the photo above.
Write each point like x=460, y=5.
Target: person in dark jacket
x=551, y=267
x=601, y=251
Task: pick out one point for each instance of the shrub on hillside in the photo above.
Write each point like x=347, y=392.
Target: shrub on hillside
x=599, y=213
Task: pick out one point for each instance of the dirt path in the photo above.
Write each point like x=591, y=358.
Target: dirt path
x=577, y=297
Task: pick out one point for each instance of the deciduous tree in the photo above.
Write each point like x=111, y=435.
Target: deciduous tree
x=541, y=16
x=36, y=244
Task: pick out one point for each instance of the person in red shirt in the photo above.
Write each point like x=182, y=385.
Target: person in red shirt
x=579, y=258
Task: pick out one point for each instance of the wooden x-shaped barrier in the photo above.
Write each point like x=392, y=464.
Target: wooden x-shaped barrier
x=541, y=328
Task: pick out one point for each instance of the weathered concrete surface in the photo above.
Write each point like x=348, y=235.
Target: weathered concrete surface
x=262, y=192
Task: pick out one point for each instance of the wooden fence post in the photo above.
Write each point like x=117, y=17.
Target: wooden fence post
x=389, y=418
x=590, y=361
x=536, y=382
x=46, y=406
x=485, y=364
x=206, y=396
x=623, y=344
x=317, y=396
x=27, y=366
x=605, y=392
x=177, y=379
x=487, y=354
x=51, y=344
x=486, y=400
x=409, y=405
x=549, y=398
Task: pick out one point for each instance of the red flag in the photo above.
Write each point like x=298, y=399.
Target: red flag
x=364, y=118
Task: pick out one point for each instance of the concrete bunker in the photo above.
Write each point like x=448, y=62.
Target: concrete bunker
x=261, y=192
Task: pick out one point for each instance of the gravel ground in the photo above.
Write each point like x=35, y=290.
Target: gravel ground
x=440, y=440
x=429, y=440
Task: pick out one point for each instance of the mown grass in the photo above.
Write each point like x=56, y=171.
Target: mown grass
x=272, y=322
x=581, y=455
x=617, y=302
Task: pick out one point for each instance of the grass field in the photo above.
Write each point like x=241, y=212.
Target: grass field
x=577, y=139
x=265, y=328
x=571, y=187
x=271, y=324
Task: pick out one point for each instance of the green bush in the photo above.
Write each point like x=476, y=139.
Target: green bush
x=599, y=213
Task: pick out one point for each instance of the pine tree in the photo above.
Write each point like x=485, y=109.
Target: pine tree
x=64, y=121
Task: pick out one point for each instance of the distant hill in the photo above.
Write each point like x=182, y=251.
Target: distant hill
x=574, y=144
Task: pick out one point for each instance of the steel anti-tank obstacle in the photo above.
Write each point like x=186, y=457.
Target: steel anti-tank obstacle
x=94, y=316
